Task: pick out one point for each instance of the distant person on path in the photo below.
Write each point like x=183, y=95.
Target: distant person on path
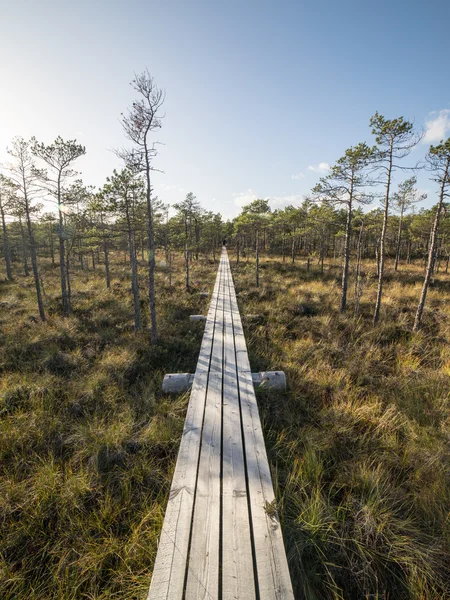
x=224, y=243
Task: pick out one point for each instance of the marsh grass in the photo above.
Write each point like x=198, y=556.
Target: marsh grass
x=358, y=444
x=87, y=441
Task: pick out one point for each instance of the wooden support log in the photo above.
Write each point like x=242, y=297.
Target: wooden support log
x=197, y=318
x=179, y=383
x=273, y=380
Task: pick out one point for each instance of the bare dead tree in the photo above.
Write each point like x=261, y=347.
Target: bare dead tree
x=438, y=162
x=142, y=120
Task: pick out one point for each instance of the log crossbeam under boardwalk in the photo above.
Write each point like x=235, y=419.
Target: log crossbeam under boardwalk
x=219, y=541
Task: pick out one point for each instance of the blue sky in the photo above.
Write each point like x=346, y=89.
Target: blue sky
x=256, y=92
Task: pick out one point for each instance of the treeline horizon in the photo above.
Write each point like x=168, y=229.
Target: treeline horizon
x=123, y=215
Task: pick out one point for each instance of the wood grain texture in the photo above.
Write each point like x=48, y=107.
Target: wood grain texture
x=171, y=559
x=237, y=561
x=221, y=536
x=203, y=571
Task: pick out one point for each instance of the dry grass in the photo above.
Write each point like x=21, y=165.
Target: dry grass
x=87, y=442
x=359, y=444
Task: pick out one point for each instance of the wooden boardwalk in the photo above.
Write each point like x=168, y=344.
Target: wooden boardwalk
x=220, y=540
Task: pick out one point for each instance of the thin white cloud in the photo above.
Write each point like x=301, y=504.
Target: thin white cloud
x=282, y=201
x=320, y=168
x=437, y=126
x=244, y=198
x=298, y=176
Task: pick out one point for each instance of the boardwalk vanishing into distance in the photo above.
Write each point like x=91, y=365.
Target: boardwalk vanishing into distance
x=221, y=538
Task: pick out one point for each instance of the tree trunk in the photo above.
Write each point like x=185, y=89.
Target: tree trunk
x=399, y=238
x=431, y=251
x=170, y=268
x=197, y=239
x=106, y=253
x=348, y=229
x=134, y=275
x=69, y=288
x=80, y=252
x=62, y=266
x=52, y=244
x=257, y=258
x=186, y=266
x=6, y=250
x=24, y=249
x=34, y=264
x=186, y=253
x=151, y=251
x=377, y=258
x=107, y=273
x=376, y=313
x=358, y=282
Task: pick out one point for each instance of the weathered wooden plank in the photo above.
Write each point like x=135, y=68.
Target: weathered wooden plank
x=237, y=561
x=231, y=446
x=271, y=563
x=170, y=565
x=242, y=360
x=203, y=570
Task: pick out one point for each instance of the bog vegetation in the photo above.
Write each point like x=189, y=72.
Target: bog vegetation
x=352, y=292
